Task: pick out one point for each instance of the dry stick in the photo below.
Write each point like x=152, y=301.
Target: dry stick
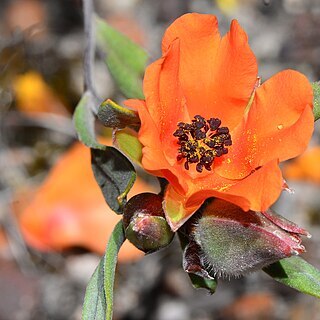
x=16, y=243
x=49, y=121
x=89, y=52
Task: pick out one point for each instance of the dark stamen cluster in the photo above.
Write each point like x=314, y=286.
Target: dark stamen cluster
x=201, y=141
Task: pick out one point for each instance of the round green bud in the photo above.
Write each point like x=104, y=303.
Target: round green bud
x=145, y=224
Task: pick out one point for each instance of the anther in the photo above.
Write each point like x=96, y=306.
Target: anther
x=214, y=123
x=201, y=141
x=223, y=130
x=199, y=167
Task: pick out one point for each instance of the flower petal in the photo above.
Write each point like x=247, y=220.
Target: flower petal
x=149, y=137
x=256, y=192
x=164, y=99
x=279, y=126
x=282, y=115
x=154, y=160
x=174, y=207
x=217, y=75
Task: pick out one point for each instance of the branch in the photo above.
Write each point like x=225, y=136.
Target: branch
x=89, y=47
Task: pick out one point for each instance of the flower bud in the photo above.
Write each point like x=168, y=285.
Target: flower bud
x=234, y=242
x=145, y=224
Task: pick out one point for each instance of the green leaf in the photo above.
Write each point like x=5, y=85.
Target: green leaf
x=125, y=59
x=127, y=141
x=84, y=122
x=129, y=83
x=94, y=306
x=98, y=301
x=110, y=261
x=114, y=174
x=114, y=116
x=296, y=273
x=316, y=100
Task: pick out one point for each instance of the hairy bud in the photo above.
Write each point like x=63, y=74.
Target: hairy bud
x=145, y=224
x=234, y=242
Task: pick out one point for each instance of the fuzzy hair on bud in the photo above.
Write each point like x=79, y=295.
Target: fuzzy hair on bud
x=234, y=242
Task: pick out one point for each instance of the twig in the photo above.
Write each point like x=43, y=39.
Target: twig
x=16, y=242
x=48, y=121
x=89, y=47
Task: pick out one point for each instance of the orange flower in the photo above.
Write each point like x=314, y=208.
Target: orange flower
x=68, y=210
x=246, y=129
x=305, y=168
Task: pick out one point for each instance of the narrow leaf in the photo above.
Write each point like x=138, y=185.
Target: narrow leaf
x=111, y=39
x=125, y=59
x=94, y=306
x=127, y=141
x=84, y=122
x=110, y=261
x=114, y=116
x=114, y=174
x=316, y=100
x=296, y=273
x=128, y=81
x=98, y=301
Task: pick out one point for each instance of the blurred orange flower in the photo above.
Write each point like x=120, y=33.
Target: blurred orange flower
x=306, y=167
x=210, y=128
x=69, y=210
x=34, y=95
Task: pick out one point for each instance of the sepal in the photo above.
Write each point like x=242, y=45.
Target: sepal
x=115, y=116
x=235, y=242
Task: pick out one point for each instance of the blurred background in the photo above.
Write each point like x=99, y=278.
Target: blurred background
x=54, y=222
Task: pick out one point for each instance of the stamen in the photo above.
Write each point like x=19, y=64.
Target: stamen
x=201, y=141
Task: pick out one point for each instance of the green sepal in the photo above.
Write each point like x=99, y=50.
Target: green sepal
x=98, y=301
x=114, y=174
x=84, y=122
x=203, y=283
x=197, y=281
x=115, y=116
x=127, y=141
x=125, y=59
x=316, y=100
x=296, y=273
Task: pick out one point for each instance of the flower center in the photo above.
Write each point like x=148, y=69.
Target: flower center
x=201, y=141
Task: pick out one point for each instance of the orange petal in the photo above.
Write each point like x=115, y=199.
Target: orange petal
x=154, y=160
x=69, y=210
x=256, y=192
x=174, y=207
x=164, y=99
x=153, y=157
x=216, y=75
x=261, y=189
x=279, y=125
